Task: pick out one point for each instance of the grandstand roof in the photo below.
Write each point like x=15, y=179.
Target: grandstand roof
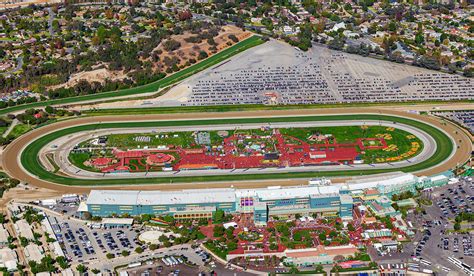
x=278, y=192
x=194, y=196
x=382, y=180
x=160, y=197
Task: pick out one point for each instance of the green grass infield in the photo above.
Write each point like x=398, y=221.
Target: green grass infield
x=30, y=160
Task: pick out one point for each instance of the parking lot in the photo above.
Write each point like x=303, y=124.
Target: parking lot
x=80, y=243
x=437, y=241
x=179, y=261
x=456, y=199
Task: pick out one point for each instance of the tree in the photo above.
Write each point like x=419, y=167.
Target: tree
x=95, y=271
x=231, y=246
x=468, y=72
x=23, y=241
x=202, y=55
x=81, y=268
x=336, y=44
x=171, y=45
x=125, y=253
x=273, y=246
x=419, y=39
x=322, y=237
x=218, y=216
x=139, y=250
x=218, y=231
x=233, y=38
x=110, y=255
x=457, y=226
x=62, y=262
x=350, y=227
x=392, y=26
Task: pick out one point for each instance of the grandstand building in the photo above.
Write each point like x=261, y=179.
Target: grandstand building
x=321, y=198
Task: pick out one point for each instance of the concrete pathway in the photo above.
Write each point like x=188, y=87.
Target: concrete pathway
x=10, y=128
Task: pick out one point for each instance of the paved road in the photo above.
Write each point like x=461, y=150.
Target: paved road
x=67, y=143
x=12, y=166
x=51, y=17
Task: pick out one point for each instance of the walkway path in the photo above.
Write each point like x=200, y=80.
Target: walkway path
x=10, y=128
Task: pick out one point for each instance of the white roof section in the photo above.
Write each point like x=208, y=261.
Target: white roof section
x=24, y=229
x=286, y=192
x=384, y=180
x=58, y=251
x=195, y=196
x=186, y=196
x=346, y=199
x=160, y=197
x=277, y=192
x=438, y=177
x=8, y=259
x=3, y=235
x=118, y=221
x=33, y=252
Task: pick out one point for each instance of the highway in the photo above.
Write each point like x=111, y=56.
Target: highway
x=11, y=164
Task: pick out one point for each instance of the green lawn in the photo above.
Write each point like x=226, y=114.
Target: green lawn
x=2, y=130
x=151, y=87
x=129, y=141
x=30, y=162
x=19, y=130
x=78, y=159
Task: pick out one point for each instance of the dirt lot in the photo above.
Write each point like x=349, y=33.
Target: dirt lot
x=181, y=56
x=189, y=50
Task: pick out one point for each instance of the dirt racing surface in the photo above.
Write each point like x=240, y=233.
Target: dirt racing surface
x=11, y=165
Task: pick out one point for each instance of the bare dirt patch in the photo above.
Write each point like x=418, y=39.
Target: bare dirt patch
x=190, y=51
x=98, y=75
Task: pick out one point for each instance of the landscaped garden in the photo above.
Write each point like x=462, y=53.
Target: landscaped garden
x=245, y=148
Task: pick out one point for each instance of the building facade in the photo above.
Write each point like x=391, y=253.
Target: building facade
x=321, y=198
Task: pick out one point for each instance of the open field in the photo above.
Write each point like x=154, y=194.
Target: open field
x=152, y=87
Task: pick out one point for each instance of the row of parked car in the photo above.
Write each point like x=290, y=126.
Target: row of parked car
x=422, y=243
x=204, y=255
x=85, y=241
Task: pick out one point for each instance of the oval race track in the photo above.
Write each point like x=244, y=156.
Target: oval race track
x=13, y=166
